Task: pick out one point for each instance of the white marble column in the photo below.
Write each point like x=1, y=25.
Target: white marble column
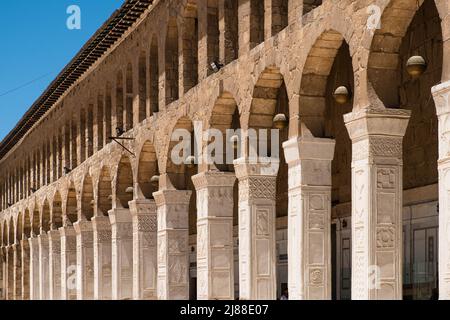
x=34, y=268
x=102, y=258
x=17, y=276
x=143, y=214
x=173, y=244
x=85, y=260
x=44, y=285
x=68, y=263
x=377, y=187
x=215, y=263
x=54, y=240
x=122, y=254
x=441, y=95
x=309, y=217
x=257, y=219
x=25, y=246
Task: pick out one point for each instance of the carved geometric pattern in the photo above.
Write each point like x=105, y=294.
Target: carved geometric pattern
x=147, y=223
x=385, y=237
x=386, y=178
x=316, y=276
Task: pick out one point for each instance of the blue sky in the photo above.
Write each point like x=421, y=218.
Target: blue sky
x=36, y=45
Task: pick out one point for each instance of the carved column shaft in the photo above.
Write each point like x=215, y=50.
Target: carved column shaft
x=173, y=244
x=144, y=218
x=377, y=189
x=215, y=274
x=102, y=258
x=441, y=95
x=122, y=254
x=34, y=268
x=54, y=239
x=44, y=287
x=3, y=272
x=25, y=269
x=257, y=243
x=85, y=260
x=9, y=273
x=309, y=217
x=68, y=263
x=17, y=269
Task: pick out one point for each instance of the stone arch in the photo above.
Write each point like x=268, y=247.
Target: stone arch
x=36, y=221
x=87, y=198
x=224, y=116
x=315, y=76
x=147, y=168
x=190, y=38
x=119, y=101
x=104, y=194
x=129, y=96
x=176, y=172
x=142, y=76
x=270, y=98
x=19, y=224
x=171, y=61
x=385, y=59
x=27, y=224
x=45, y=217
x=71, y=215
x=11, y=231
x=4, y=234
x=154, y=75
x=420, y=143
x=257, y=21
x=57, y=213
x=124, y=183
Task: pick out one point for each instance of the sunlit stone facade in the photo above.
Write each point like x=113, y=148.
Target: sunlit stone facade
x=357, y=205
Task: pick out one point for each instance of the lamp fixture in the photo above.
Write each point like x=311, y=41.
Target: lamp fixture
x=342, y=95
x=190, y=162
x=129, y=190
x=155, y=181
x=280, y=121
x=416, y=66
x=216, y=66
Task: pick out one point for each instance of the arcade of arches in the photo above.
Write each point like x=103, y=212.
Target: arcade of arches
x=357, y=206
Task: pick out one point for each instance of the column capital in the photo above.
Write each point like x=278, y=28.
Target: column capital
x=441, y=95
x=263, y=166
x=308, y=148
x=101, y=223
x=164, y=197
x=142, y=207
x=119, y=216
x=82, y=226
x=365, y=123
x=67, y=231
x=213, y=179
